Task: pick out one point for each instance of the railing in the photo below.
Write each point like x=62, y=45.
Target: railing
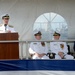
x=29, y=41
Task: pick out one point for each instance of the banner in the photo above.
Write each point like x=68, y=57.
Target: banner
x=38, y=67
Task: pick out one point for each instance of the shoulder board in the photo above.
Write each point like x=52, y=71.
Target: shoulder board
x=11, y=26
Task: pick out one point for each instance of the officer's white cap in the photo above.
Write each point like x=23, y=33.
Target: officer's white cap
x=36, y=31
x=5, y=16
x=56, y=33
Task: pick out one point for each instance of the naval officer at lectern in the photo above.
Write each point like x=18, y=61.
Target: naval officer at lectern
x=5, y=27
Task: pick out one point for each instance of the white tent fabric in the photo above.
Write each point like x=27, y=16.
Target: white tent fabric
x=23, y=14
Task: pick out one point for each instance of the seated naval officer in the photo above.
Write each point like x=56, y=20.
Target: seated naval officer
x=38, y=49
x=59, y=48
x=5, y=27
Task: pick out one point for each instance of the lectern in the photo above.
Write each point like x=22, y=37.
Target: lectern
x=9, y=50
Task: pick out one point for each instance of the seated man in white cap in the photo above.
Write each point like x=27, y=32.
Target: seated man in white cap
x=39, y=50
x=5, y=27
x=59, y=48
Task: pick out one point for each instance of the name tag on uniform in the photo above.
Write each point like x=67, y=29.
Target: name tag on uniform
x=55, y=44
x=34, y=43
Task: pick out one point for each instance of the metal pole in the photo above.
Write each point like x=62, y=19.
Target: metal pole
x=21, y=51
x=26, y=49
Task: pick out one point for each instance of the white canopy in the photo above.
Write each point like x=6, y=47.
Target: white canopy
x=23, y=14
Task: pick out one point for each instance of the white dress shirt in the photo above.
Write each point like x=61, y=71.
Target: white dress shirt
x=55, y=47
x=36, y=47
x=8, y=28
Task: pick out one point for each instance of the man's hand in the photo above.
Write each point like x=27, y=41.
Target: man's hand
x=8, y=31
x=40, y=55
x=61, y=54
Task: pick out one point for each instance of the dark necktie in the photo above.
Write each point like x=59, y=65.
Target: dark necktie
x=5, y=26
x=42, y=43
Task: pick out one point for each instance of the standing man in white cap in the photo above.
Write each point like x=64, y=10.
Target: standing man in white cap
x=5, y=27
x=59, y=48
x=38, y=50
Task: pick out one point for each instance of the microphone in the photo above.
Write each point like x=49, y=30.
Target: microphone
x=5, y=26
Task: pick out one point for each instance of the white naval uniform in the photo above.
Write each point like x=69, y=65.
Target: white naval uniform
x=36, y=47
x=8, y=27
x=55, y=48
